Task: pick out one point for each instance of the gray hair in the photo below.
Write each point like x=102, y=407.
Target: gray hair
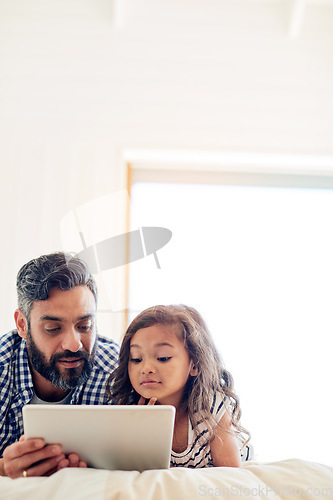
x=61, y=270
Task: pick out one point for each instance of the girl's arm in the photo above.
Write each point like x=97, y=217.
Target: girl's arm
x=224, y=447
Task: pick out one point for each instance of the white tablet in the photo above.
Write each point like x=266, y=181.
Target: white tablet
x=106, y=437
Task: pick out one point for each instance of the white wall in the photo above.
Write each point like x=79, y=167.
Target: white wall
x=82, y=80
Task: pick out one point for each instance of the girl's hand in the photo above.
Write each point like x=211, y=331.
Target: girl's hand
x=143, y=401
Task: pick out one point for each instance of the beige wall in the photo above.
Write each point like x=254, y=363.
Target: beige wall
x=82, y=81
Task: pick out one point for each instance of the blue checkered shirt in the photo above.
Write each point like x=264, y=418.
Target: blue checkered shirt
x=16, y=387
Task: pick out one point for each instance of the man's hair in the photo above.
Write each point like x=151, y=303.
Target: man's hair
x=61, y=270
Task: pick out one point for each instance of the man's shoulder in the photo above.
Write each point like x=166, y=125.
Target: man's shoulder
x=107, y=345
x=9, y=345
x=107, y=352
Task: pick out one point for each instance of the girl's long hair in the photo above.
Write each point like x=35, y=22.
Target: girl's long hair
x=212, y=375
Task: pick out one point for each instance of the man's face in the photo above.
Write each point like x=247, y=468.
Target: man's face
x=62, y=337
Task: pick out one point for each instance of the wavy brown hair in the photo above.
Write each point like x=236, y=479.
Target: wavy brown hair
x=212, y=375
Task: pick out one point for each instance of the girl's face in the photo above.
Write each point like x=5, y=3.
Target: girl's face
x=159, y=364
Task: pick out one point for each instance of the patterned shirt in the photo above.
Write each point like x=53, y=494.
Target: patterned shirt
x=197, y=453
x=16, y=387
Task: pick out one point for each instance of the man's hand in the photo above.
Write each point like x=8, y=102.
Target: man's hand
x=31, y=457
x=73, y=460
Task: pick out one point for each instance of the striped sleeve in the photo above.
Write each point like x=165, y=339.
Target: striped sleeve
x=219, y=405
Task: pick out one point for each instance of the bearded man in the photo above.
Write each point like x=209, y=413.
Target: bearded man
x=54, y=356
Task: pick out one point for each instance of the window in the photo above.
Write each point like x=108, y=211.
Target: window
x=256, y=261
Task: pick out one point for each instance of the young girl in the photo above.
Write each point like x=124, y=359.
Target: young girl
x=168, y=357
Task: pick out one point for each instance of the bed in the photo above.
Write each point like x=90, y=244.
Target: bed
x=286, y=479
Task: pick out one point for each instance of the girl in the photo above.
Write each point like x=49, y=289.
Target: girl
x=167, y=356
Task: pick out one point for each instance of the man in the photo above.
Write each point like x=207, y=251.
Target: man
x=54, y=356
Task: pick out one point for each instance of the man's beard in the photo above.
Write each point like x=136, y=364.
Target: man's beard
x=49, y=370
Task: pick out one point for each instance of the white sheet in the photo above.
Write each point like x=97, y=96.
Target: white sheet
x=288, y=479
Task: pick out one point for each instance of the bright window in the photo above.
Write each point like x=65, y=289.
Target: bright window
x=257, y=262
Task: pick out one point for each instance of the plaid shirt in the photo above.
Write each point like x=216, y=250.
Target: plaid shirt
x=16, y=387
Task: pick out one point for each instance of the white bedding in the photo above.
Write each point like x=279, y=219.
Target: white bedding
x=287, y=479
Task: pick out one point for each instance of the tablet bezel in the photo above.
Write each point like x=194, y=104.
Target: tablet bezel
x=113, y=437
